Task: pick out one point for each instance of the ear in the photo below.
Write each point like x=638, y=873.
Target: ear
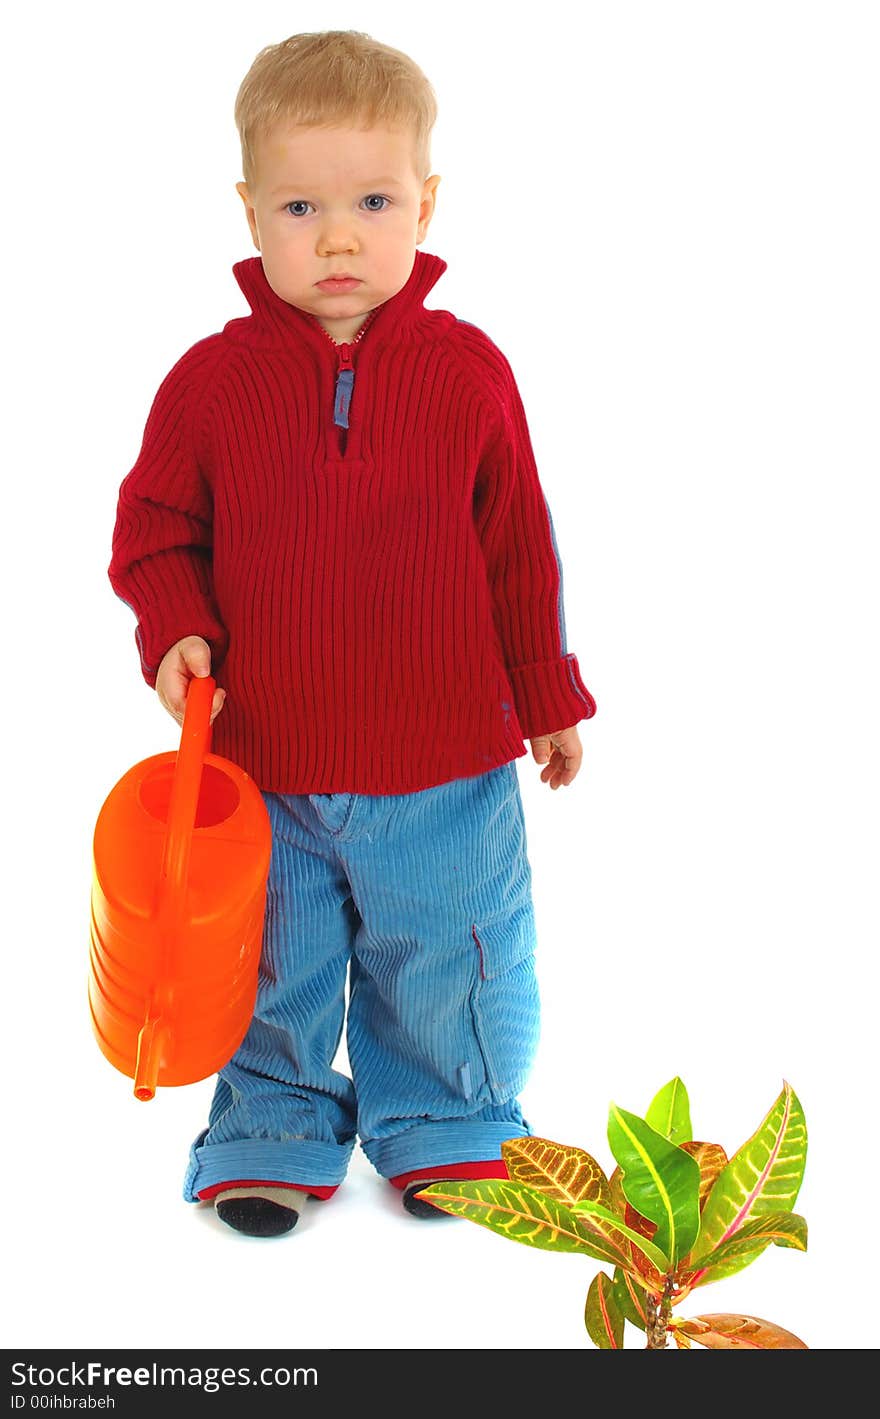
x=429, y=200
x=242, y=190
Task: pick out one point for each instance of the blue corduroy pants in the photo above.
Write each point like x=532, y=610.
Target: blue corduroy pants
x=422, y=903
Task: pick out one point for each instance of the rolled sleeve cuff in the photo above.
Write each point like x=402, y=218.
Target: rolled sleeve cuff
x=550, y=695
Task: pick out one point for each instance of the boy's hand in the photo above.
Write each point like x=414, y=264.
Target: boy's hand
x=561, y=752
x=189, y=657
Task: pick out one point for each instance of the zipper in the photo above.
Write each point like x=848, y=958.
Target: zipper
x=344, y=389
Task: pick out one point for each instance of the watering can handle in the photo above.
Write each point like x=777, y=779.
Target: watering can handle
x=195, y=741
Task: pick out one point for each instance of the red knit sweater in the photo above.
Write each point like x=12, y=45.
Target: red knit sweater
x=359, y=532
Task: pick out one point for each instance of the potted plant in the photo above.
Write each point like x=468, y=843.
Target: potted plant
x=674, y=1215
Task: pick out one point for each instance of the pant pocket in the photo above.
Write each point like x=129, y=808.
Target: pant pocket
x=504, y=1000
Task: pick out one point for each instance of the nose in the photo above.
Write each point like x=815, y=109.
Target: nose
x=336, y=236
x=337, y=248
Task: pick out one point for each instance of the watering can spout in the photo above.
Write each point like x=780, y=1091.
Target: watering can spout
x=151, y=1042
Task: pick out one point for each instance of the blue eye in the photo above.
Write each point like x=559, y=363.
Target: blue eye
x=301, y=202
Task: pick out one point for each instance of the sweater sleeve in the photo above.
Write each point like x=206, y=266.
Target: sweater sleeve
x=162, y=542
x=525, y=575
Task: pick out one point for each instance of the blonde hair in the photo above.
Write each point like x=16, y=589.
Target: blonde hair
x=334, y=77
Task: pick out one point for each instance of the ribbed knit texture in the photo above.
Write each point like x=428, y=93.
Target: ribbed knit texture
x=383, y=601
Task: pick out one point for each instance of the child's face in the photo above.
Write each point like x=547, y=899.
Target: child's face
x=331, y=200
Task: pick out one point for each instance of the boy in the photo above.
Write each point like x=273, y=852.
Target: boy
x=336, y=512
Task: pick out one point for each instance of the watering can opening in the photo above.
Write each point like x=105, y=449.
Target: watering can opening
x=219, y=795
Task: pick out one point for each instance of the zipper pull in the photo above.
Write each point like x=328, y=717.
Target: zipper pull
x=344, y=386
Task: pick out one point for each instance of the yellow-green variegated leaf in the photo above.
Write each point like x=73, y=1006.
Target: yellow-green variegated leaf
x=660, y=1180
x=763, y=1177
x=602, y=1316
x=525, y=1215
x=669, y=1112
x=559, y=1171
x=780, y=1229
x=732, y=1332
x=711, y=1158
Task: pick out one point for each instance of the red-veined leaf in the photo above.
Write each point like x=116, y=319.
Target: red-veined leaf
x=631, y=1299
x=656, y=1262
x=637, y=1223
x=781, y=1229
x=732, y=1332
x=618, y=1200
x=711, y=1158
x=602, y=1316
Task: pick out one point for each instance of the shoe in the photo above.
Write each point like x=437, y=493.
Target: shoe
x=413, y=1182
x=260, y=1212
x=422, y=1206
x=410, y=1185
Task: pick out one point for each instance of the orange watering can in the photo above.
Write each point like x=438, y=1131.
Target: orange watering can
x=181, y=860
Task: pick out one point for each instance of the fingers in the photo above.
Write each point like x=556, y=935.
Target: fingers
x=217, y=704
x=175, y=700
x=188, y=659
x=195, y=653
x=560, y=771
x=175, y=703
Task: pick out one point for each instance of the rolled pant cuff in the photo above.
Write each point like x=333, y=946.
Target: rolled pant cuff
x=299, y=1161
x=428, y=1145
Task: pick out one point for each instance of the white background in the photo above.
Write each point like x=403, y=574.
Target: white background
x=666, y=215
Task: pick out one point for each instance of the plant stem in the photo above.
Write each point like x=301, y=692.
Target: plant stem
x=658, y=1317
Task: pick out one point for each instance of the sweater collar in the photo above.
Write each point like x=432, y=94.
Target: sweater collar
x=273, y=316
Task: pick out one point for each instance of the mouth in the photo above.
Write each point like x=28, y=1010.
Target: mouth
x=339, y=282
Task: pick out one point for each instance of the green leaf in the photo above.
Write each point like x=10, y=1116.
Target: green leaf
x=669, y=1112
x=781, y=1229
x=763, y=1177
x=726, y=1332
x=630, y=1298
x=602, y=1317
x=659, y=1179
x=557, y=1170
x=525, y=1215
